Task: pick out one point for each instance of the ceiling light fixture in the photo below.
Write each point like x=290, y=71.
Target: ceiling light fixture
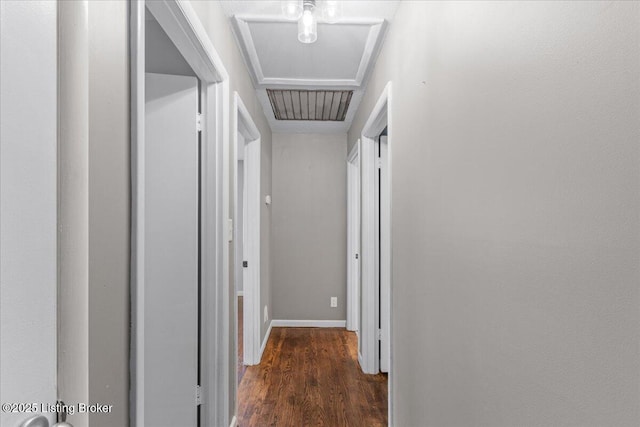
x=305, y=11
x=292, y=9
x=308, y=24
x=332, y=11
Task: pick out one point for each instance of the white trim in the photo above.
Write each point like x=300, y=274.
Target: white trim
x=383, y=249
x=285, y=323
x=240, y=293
x=369, y=296
x=369, y=359
x=354, y=152
x=290, y=81
x=271, y=18
x=234, y=422
x=240, y=24
x=377, y=121
x=180, y=22
x=248, y=48
x=243, y=122
x=264, y=341
x=137, y=65
x=379, y=117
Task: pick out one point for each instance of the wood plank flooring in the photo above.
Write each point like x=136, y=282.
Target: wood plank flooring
x=241, y=368
x=311, y=377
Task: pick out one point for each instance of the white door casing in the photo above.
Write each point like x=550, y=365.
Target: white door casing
x=384, y=253
x=238, y=236
x=250, y=222
x=370, y=313
x=369, y=296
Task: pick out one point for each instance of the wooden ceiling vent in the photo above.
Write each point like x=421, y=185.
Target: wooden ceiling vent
x=318, y=105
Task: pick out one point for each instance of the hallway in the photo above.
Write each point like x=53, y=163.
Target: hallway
x=343, y=213
x=310, y=376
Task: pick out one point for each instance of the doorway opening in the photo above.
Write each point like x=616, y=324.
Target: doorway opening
x=353, y=240
x=179, y=94
x=247, y=147
x=376, y=287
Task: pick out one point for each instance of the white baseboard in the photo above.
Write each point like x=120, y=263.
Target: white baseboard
x=264, y=341
x=234, y=422
x=240, y=293
x=308, y=323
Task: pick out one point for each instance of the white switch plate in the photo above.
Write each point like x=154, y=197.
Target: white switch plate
x=334, y=301
x=266, y=314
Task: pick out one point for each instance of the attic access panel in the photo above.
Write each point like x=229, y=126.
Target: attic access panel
x=315, y=105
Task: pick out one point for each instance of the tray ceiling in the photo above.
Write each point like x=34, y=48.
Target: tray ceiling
x=341, y=59
x=342, y=56
x=336, y=55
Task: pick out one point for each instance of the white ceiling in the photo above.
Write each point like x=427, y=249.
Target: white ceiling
x=344, y=42
x=342, y=57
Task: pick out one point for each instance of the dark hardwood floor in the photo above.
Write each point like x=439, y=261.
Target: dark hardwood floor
x=311, y=377
x=241, y=367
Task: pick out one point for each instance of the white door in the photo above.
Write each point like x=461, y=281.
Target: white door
x=170, y=353
x=239, y=221
x=253, y=318
x=28, y=209
x=383, y=250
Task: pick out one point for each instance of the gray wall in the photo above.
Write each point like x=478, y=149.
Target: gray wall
x=28, y=199
x=309, y=226
x=162, y=56
x=218, y=27
x=516, y=209
x=73, y=205
x=109, y=210
x=93, y=208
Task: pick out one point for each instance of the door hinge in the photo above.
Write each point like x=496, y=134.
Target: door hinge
x=230, y=230
x=378, y=162
x=380, y=334
x=199, y=122
x=198, y=395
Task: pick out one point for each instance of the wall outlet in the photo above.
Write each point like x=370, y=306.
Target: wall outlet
x=334, y=301
x=266, y=314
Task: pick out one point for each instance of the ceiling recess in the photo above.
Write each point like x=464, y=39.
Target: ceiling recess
x=317, y=105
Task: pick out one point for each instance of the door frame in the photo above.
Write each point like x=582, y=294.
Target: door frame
x=181, y=24
x=353, y=238
x=382, y=248
x=243, y=123
x=379, y=118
